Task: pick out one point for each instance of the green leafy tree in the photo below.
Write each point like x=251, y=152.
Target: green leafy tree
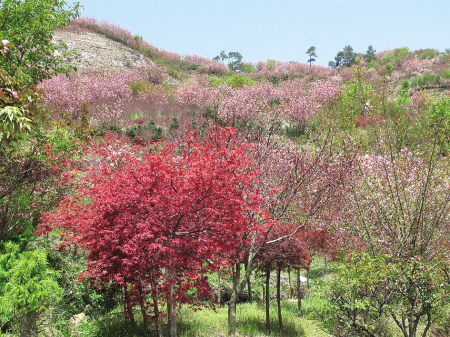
x=236, y=63
x=337, y=63
x=370, y=54
x=222, y=56
x=29, y=25
x=311, y=52
x=349, y=56
x=367, y=290
x=15, y=99
x=27, y=288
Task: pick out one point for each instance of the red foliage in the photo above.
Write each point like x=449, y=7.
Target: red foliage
x=141, y=215
x=292, y=251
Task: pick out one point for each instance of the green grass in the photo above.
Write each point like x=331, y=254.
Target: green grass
x=250, y=321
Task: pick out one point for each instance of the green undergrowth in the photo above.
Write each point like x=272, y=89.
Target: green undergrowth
x=209, y=322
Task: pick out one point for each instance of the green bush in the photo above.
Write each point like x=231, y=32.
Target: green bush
x=445, y=74
x=132, y=131
x=103, y=130
x=428, y=79
x=373, y=64
x=389, y=68
x=249, y=68
x=405, y=84
x=158, y=133
x=388, y=57
x=27, y=287
x=173, y=73
x=138, y=86
x=215, y=81
x=238, y=81
x=440, y=111
x=175, y=124
x=188, y=66
x=426, y=53
x=275, y=79
x=395, y=56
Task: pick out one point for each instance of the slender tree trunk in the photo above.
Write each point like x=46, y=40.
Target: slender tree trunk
x=233, y=301
x=290, y=284
x=129, y=308
x=232, y=315
x=326, y=265
x=268, y=299
x=280, y=320
x=218, y=292
x=237, y=288
x=156, y=310
x=299, y=292
x=428, y=325
x=143, y=311
x=171, y=312
x=307, y=275
x=249, y=286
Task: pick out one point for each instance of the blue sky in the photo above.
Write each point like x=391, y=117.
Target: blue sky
x=281, y=30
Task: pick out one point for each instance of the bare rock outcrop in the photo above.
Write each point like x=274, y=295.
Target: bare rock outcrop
x=96, y=53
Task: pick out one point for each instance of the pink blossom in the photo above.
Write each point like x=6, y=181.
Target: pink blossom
x=5, y=43
x=15, y=96
x=416, y=65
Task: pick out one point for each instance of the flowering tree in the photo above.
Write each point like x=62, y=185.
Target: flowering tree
x=106, y=96
x=160, y=220
x=300, y=187
x=399, y=208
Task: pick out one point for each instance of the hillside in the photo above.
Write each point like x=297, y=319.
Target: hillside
x=97, y=53
x=149, y=185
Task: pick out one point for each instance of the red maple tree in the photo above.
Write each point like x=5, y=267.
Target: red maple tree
x=157, y=222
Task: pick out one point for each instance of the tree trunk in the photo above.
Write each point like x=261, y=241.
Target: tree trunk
x=299, y=292
x=171, y=312
x=280, y=320
x=218, y=292
x=267, y=300
x=143, y=311
x=249, y=286
x=290, y=284
x=28, y=324
x=326, y=265
x=237, y=288
x=307, y=275
x=129, y=308
x=233, y=301
x=156, y=310
x=232, y=315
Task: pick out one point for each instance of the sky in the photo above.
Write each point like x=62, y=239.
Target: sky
x=282, y=29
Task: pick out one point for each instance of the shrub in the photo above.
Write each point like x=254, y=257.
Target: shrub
x=426, y=53
x=394, y=56
x=249, y=68
x=373, y=64
x=27, y=287
x=405, y=85
x=138, y=86
x=440, y=111
x=188, y=66
x=175, y=124
x=389, y=68
x=238, y=81
x=427, y=79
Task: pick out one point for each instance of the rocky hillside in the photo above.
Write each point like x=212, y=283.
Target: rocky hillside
x=97, y=53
